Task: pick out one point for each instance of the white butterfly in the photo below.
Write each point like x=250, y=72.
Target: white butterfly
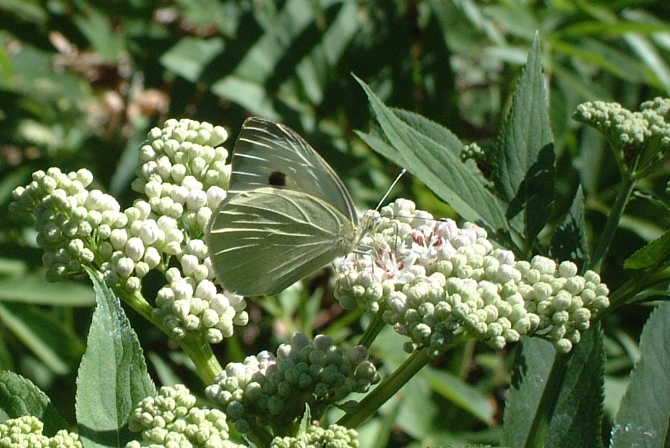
x=286, y=213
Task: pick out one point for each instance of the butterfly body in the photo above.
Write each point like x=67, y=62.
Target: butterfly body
x=286, y=213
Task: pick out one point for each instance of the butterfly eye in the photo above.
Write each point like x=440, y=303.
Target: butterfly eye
x=277, y=179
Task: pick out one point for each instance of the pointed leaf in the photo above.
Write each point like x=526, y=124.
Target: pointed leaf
x=652, y=254
x=20, y=397
x=574, y=410
x=643, y=415
x=570, y=241
x=113, y=375
x=523, y=168
x=435, y=164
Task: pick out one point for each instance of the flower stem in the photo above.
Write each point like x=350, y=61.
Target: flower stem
x=193, y=344
x=386, y=389
x=607, y=235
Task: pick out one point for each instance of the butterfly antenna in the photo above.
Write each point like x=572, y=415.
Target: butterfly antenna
x=393, y=184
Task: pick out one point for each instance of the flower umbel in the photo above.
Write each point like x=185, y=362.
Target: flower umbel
x=333, y=436
x=641, y=140
x=437, y=283
x=182, y=178
x=274, y=391
x=172, y=419
x=27, y=432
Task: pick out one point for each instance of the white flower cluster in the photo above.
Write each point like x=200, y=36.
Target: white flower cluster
x=274, y=391
x=183, y=172
x=643, y=136
x=435, y=282
x=171, y=419
x=334, y=436
x=70, y=220
x=182, y=175
x=27, y=432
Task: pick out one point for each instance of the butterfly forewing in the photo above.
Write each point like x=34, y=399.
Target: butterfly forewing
x=271, y=154
x=262, y=241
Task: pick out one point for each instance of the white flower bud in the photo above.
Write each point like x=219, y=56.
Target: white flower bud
x=188, y=264
x=141, y=269
x=210, y=318
x=133, y=284
x=153, y=189
x=134, y=249
x=124, y=267
x=152, y=257
x=182, y=290
x=181, y=307
x=215, y=195
x=118, y=238
x=214, y=335
x=563, y=345
x=178, y=172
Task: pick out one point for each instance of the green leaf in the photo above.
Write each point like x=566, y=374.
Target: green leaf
x=462, y=394
x=98, y=29
x=652, y=254
x=412, y=146
x=523, y=163
x=11, y=267
x=643, y=415
x=570, y=241
x=562, y=395
x=113, y=375
x=45, y=336
x=20, y=397
x=35, y=289
x=190, y=56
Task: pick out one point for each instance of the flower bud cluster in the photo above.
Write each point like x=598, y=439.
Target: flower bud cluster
x=643, y=137
x=334, y=436
x=27, y=432
x=273, y=391
x=435, y=282
x=70, y=220
x=183, y=172
x=181, y=175
x=190, y=301
x=171, y=419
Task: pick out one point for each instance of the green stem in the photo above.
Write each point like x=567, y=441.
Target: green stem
x=193, y=344
x=386, y=389
x=372, y=331
x=539, y=429
x=607, y=235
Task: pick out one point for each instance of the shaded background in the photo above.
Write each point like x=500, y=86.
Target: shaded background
x=81, y=82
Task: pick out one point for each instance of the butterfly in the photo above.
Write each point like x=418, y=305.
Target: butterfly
x=286, y=213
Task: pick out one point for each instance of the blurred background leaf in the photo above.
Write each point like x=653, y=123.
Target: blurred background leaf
x=81, y=82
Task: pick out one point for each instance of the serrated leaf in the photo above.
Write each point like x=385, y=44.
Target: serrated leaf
x=113, y=375
x=643, y=415
x=20, y=397
x=523, y=163
x=433, y=162
x=570, y=241
x=652, y=254
x=573, y=412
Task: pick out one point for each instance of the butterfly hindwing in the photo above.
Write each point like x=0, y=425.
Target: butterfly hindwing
x=264, y=240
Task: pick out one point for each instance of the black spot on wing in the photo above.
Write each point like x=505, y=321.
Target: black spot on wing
x=277, y=179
